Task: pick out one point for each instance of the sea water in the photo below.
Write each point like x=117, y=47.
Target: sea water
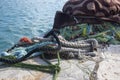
x=29, y=18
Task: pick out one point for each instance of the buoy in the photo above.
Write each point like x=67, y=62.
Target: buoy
x=25, y=40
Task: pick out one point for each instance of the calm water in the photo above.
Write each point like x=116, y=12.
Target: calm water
x=30, y=18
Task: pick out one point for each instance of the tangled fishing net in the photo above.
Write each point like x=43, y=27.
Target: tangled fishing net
x=78, y=29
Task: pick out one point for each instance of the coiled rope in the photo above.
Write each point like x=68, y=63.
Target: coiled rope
x=10, y=61
x=74, y=48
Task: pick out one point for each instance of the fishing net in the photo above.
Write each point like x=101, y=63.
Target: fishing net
x=104, y=33
x=80, y=20
x=83, y=19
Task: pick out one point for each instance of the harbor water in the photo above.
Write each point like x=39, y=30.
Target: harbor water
x=30, y=18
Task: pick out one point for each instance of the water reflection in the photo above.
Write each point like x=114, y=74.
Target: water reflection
x=25, y=18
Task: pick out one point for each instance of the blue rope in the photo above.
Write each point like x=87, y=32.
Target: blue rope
x=20, y=52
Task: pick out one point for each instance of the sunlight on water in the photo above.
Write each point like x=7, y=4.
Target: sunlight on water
x=30, y=18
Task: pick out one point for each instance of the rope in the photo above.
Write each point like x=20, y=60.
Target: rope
x=35, y=49
x=76, y=47
x=64, y=49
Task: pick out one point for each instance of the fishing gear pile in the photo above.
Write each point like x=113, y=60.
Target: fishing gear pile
x=79, y=29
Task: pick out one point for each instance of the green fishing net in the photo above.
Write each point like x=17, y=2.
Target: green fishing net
x=106, y=32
